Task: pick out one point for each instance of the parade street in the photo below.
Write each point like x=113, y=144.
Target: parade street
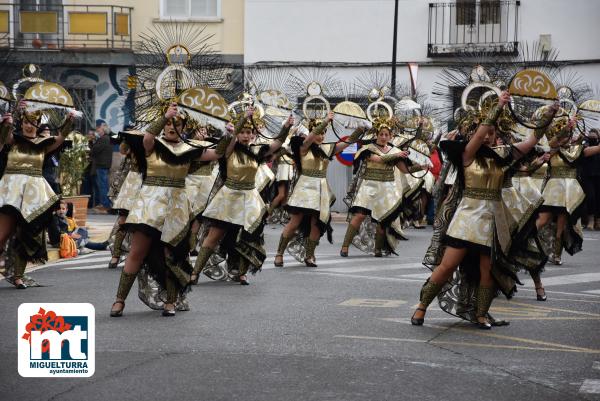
x=337, y=332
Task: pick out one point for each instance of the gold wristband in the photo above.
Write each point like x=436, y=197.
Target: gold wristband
x=356, y=135
x=493, y=115
x=222, y=145
x=157, y=126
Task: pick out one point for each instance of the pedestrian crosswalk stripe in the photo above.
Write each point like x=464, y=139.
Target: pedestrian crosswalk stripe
x=590, y=386
x=381, y=266
x=78, y=261
x=568, y=279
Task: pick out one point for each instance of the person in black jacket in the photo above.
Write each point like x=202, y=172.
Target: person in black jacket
x=590, y=177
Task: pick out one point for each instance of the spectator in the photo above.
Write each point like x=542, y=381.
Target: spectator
x=88, y=184
x=101, y=158
x=590, y=177
x=63, y=223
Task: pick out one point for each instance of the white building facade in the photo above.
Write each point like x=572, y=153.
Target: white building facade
x=356, y=36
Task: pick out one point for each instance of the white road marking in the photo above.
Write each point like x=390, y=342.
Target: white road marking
x=420, y=276
x=592, y=292
x=596, y=365
x=324, y=273
x=590, y=386
x=372, y=268
x=373, y=303
x=78, y=261
x=578, y=294
x=568, y=279
x=90, y=267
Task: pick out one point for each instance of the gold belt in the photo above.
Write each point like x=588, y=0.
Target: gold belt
x=378, y=174
x=23, y=170
x=157, y=181
x=482, y=193
x=563, y=172
x=314, y=173
x=239, y=185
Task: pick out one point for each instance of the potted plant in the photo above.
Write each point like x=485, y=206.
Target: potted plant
x=72, y=165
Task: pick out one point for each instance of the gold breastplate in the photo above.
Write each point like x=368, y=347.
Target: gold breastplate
x=157, y=167
x=310, y=162
x=541, y=172
x=557, y=161
x=23, y=159
x=241, y=168
x=561, y=169
x=483, y=179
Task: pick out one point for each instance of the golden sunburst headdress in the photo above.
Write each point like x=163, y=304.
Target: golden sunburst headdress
x=179, y=64
x=45, y=102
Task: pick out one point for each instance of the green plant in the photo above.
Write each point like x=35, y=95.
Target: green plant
x=73, y=163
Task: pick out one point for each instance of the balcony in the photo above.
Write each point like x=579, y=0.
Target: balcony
x=65, y=27
x=469, y=26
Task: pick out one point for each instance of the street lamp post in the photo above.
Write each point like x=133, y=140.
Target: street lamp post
x=395, y=40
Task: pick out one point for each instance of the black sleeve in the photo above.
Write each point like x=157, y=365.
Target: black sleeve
x=54, y=231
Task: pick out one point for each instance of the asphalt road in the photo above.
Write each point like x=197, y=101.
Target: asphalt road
x=337, y=332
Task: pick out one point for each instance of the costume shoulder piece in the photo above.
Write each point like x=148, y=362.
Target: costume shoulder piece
x=401, y=140
x=259, y=150
x=37, y=142
x=503, y=151
x=176, y=153
x=571, y=153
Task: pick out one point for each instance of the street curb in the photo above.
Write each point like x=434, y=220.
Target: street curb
x=96, y=235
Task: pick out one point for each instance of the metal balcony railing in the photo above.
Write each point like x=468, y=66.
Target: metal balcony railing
x=63, y=27
x=468, y=26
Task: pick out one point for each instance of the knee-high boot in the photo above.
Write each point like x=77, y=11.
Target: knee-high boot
x=350, y=234
x=485, y=296
x=203, y=255
x=310, y=246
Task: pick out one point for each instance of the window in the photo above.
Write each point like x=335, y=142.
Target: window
x=489, y=12
x=190, y=9
x=465, y=12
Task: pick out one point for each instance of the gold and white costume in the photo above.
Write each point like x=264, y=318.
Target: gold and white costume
x=285, y=169
x=378, y=191
x=199, y=184
x=162, y=201
x=562, y=188
x=481, y=217
x=238, y=200
x=264, y=177
x=129, y=189
x=22, y=186
x=312, y=190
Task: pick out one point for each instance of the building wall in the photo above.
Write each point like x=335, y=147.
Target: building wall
x=110, y=98
x=353, y=38
x=228, y=31
x=361, y=31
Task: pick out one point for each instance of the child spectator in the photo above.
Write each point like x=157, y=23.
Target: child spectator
x=64, y=223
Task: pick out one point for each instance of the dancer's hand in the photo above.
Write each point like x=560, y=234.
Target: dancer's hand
x=171, y=111
x=504, y=99
x=290, y=121
x=7, y=118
